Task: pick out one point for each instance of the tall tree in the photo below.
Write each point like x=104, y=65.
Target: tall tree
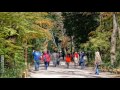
x=113, y=39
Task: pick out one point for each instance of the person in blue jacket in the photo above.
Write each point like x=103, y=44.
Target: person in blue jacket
x=37, y=55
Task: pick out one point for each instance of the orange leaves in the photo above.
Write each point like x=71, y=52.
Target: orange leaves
x=45, y=24
x=106, y=15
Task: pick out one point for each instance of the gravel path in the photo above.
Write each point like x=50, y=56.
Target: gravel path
x=62, y=72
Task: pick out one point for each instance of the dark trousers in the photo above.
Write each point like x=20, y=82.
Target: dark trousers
x=82, y=65
x=63, y=57
x=67, y=64
x=58, y=61
x=55, y=62
x=46, y=65
x=37, y=65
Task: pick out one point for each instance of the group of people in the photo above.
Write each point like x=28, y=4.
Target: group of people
x=46, y=57
x=56, y=57
x=81, y=58
x=77, y=58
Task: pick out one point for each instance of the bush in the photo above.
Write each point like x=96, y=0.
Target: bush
x=18, y=67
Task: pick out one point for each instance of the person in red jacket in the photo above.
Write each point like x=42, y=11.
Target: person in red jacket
x=46, y=59
x=68, y=60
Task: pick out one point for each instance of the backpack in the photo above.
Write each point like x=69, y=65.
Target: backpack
x=85, y=57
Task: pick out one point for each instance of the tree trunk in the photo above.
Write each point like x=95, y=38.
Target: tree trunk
x=53, y=38
x=119, y=31
x=113, y=40
x=118, y=27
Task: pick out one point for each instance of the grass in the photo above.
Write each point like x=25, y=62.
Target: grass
x=12, y=73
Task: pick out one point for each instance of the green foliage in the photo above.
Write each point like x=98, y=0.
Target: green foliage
x=16, y=29
x=18, y=67
x=79, y=25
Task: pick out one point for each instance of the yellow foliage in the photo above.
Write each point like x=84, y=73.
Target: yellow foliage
x=44, y=13
x=45, y=24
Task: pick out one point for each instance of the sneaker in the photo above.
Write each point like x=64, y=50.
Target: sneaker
x=97, y=73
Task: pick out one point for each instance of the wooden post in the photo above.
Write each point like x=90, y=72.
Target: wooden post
x=2, y=63
x=24, y=75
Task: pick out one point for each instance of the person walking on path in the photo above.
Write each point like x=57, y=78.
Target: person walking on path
x=59, y=57
x=72, y=57
x=49, y=58
x=68, y=59
x=80, y=58
x=37, y=55
x=63, y=55
x=55, y=57
x=76, y=58
x=46, y=59
x=97, y=62
x=83, y=58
